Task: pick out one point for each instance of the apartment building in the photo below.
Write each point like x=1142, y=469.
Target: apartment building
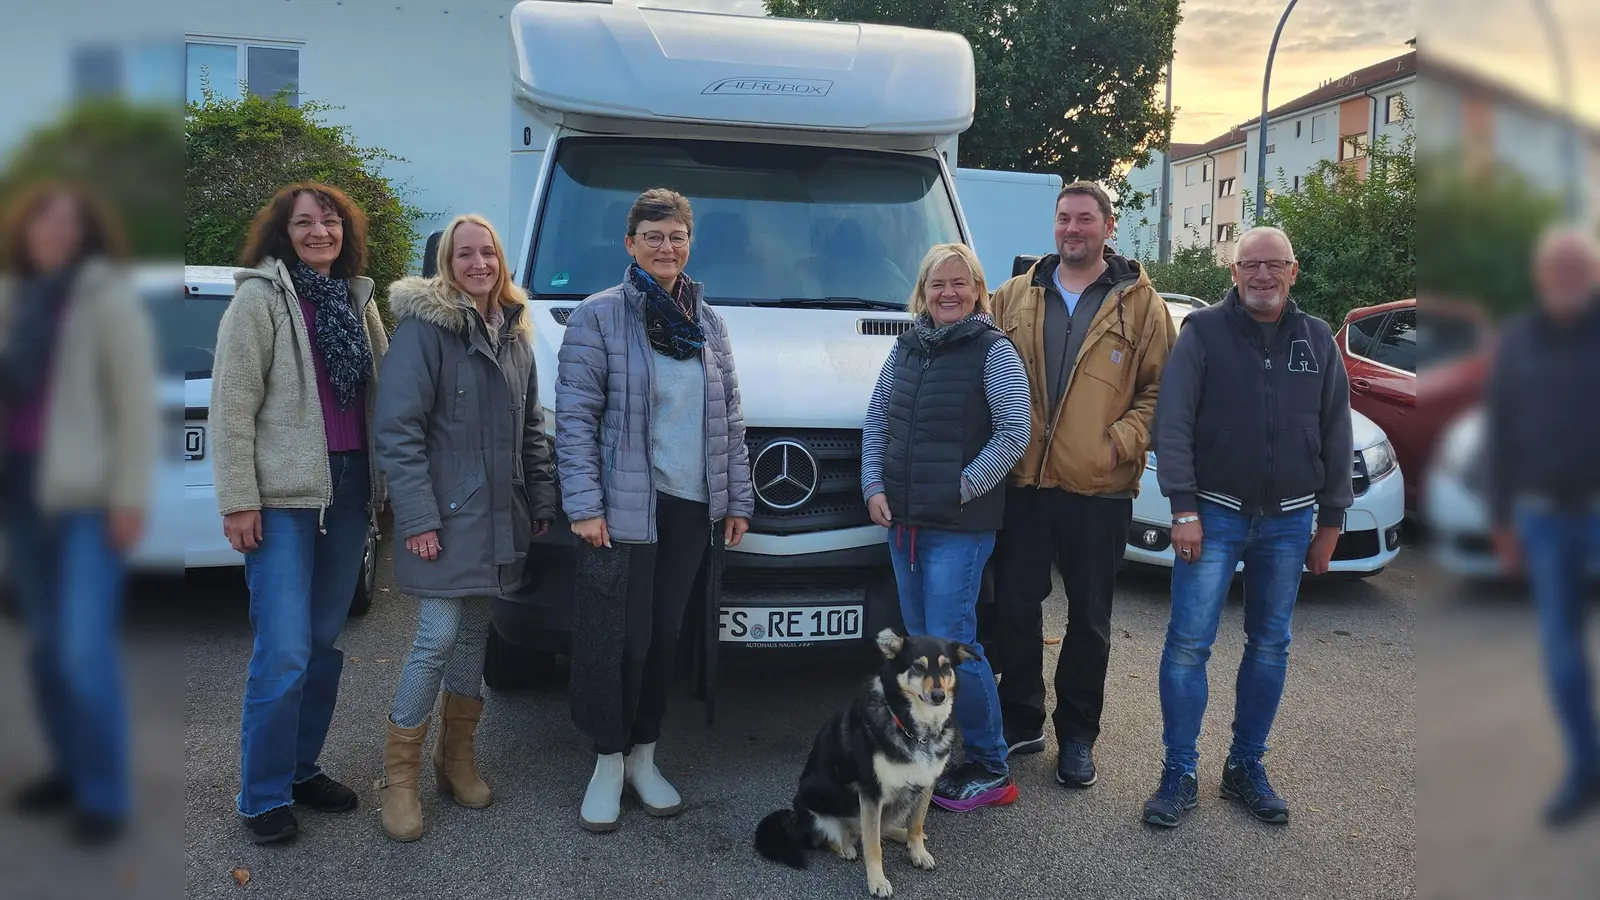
x=1337, y=122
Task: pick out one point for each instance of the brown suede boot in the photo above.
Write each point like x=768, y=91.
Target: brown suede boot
x=454, y=766
x=399, y=789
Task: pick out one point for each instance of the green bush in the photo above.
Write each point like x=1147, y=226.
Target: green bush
x=238, y=153
x=1194, y=271
x=130, y=155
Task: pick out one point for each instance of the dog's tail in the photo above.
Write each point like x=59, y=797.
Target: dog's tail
x=779, y=838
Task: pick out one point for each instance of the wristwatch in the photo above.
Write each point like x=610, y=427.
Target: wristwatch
x=1184, y=520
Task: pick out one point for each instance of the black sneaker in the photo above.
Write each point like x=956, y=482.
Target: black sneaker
x=1019, y=743
x=1577, y=797
x=323, y=794
x=96, y=830
x=1075, y=766
x=1245, y=780
x=50, y=794
x=1177, y=794
x=970, y=786
x=273, y=825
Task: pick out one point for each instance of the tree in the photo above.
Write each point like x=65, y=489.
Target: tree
x=1354, y=233
x=1068, y=89
x=129, y=155
x=1194, y=270
x=239, y=153
x=1478, y=234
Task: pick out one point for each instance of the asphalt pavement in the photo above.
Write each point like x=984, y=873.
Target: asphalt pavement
x=1344, y=753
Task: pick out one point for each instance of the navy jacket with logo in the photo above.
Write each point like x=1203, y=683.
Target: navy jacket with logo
x=1262, y=430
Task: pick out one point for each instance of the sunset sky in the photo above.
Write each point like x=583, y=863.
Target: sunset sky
x=1222, y=46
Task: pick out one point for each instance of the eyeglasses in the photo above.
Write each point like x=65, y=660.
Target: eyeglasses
x=331, y=224
x=654, y=239
x=1275, y=266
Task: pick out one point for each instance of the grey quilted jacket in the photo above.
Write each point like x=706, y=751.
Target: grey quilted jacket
x=603, y=417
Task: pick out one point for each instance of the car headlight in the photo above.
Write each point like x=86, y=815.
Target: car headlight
x=1379, y=460
x=1461, y=447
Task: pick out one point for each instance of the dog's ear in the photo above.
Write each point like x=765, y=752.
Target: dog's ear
x=890, y=643
x=963, y=653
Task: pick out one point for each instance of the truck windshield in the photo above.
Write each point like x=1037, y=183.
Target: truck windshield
x=771, y=222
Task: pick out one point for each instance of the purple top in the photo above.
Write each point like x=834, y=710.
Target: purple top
x=346, y=427
x=25, y=419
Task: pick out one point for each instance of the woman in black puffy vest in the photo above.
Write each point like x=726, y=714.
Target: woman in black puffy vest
x=949, y=417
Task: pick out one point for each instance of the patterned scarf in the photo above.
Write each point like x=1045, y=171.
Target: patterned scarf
x=340, y=337
x=934, y=336
x=669, y=320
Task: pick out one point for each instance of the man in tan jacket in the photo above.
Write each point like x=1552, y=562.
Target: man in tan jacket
x=1093, y=335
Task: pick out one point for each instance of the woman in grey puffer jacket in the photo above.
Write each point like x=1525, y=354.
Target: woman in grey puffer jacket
x=653, y=469
x=460, y=435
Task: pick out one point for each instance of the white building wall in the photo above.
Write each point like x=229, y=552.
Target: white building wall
x=1139, y=227
x=429, y=83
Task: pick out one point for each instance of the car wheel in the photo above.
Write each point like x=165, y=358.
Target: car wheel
x=367, y=583
x=509, y=667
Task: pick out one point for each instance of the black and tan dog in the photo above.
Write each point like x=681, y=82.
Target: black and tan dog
x=873, y=765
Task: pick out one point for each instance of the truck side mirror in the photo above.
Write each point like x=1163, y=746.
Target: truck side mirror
x=430, y=255
x=1023, y=263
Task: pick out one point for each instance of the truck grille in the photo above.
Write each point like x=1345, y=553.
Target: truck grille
x=806, y=480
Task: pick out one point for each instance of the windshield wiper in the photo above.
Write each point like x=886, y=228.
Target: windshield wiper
x=825, y=302
x=538, y=296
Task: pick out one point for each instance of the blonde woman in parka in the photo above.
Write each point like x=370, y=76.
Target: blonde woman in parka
x=461, y=439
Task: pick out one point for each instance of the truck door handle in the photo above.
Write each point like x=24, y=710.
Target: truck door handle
x=1360, y=384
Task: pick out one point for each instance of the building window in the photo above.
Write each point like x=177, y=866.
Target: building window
x=1205, y=172
x=1188, y=174
x=1188, y=216
x=1296, y=183
x=1226, y=187
x=1225, y=233
x=1299, y=128
x=1393, y=108
x=1319, y=128
x=151, y=72
x=1155, y=201
x=1205, y=214
x=1354, y=146
x=1272, y=148
x=232, y=69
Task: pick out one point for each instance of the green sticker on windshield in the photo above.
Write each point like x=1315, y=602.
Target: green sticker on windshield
x=560, y=279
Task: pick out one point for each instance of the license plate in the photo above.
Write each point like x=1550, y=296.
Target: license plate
x=790, y=624
x=194, y=442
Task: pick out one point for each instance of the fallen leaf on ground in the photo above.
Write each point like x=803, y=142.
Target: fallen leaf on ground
x=1313, y=808
x=383, y=660
x=1125, y=632
x=241, y=877
x=1135, y=675
x=1052, y=641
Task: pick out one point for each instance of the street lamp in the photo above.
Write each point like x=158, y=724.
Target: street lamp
x=1261, y=146
x=1164, y=201
x=1576, y=195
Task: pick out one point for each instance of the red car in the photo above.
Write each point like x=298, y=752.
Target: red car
x=1382, y=354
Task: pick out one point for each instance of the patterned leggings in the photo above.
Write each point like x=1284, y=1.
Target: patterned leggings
x=452, y=638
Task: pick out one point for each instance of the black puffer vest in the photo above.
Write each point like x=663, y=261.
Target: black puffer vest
x=938, y=422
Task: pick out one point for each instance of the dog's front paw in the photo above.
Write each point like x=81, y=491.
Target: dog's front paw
x=879, y=886
x=920, y=857
x=846, y=851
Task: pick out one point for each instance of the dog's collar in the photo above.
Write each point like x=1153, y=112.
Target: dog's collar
x=909, y=735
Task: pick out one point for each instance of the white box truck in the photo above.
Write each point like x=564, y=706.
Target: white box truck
x=817, y=157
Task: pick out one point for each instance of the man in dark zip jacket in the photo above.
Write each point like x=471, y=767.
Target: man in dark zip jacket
x=1545, y=490
x=1254, y=451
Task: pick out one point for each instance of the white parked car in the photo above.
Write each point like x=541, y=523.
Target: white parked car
x=1455, y=509
x=1371, y=537
x=187, y=528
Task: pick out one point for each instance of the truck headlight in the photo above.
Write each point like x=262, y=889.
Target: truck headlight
x=1379, y=460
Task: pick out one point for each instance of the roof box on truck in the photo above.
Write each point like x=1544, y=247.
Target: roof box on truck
x=611, y=68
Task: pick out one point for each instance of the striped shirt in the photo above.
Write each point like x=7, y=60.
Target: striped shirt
x=1005, y=386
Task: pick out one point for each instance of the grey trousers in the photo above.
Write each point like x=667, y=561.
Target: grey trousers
x=452, y=638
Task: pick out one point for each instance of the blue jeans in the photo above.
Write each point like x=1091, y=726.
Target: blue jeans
x=301, y=585
x=68, y=583
x=1273, y=549
x=939, y=574
x=1556, y=550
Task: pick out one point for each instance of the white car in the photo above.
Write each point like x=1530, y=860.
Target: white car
x=1371, y=535
x=1454, y=508
x=187, y=530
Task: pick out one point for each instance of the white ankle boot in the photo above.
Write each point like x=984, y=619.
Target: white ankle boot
x=602, y=803
x=658, y=797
